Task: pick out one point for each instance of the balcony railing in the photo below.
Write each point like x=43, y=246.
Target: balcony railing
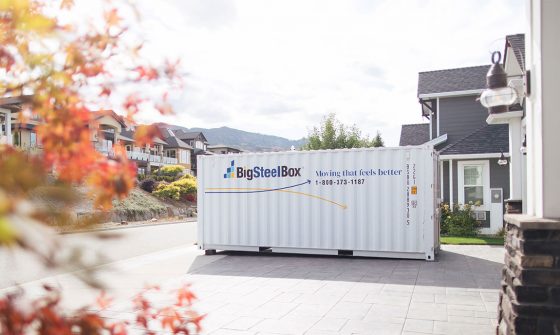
x=169, y=160
x=140, y=156
x=155, y=159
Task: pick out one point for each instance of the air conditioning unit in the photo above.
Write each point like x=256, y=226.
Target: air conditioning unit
x=479, y=215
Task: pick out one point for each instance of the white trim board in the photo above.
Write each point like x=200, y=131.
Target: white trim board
x=438, y=114
x=450, y=94
x=485, y=182
x=503, y=118
x=437, y=140
x=474, y=156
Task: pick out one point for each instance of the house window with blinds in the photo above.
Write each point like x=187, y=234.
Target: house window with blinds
x=473, y=184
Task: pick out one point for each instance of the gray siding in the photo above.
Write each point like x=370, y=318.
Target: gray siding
x=499, y=178
x=455, y=183
x=460, y=116
x=445, y=172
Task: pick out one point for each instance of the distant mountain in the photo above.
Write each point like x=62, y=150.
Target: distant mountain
x=245, y=140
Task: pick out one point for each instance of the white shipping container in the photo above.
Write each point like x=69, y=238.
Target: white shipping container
x=378, y=202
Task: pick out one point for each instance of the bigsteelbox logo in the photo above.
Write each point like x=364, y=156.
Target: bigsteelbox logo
x=280, y=171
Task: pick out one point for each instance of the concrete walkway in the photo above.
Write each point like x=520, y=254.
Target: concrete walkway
x=245, y=293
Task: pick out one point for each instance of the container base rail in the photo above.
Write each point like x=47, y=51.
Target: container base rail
x=431, y=256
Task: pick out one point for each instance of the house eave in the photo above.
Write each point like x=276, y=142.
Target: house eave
x=473, y=156
x=450, y=94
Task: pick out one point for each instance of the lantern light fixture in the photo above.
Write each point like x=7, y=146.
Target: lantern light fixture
x=503, y=160
x=498, y=95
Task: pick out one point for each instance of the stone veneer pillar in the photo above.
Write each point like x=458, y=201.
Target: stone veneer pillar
x=530, y=292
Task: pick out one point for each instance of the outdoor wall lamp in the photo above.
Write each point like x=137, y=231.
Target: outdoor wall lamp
x=498, y=95
x=503, y=160
x=523, y=148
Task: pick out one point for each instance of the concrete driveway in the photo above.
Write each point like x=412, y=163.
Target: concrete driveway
x=246, y=293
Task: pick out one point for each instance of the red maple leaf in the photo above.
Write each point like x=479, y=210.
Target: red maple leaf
x=185, y=294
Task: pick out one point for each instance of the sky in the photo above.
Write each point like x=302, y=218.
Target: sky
x=278, y=67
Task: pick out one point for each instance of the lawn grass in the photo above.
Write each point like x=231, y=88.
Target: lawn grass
x=478, y=240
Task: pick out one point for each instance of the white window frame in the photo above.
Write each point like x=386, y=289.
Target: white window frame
x=485, y=182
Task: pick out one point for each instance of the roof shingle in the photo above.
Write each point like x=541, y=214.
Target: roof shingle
x=488, y=139
x=452, y=80
x=414, y=134
x=174, y=142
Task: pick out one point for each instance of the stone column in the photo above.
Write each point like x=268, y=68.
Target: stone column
x=530, y=295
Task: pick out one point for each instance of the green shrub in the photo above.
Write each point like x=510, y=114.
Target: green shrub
x=186, y=185
x=168, y=179
x=177, y=189
x=171, y=170
x=445, y=212
x=188, y=176
x=170, y=191
x=460, y=221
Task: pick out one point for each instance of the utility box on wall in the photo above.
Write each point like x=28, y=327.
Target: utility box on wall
x=364, y=202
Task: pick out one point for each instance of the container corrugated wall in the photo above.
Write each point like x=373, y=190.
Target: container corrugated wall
x=373, y=202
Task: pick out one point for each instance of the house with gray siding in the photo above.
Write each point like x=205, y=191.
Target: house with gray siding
x=468, y=147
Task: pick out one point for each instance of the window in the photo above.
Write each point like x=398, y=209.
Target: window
x=16, y=138
x=33, y=139
x=473, y=185
x=474, y=182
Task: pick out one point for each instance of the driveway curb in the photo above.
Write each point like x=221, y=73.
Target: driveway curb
x=123, y=227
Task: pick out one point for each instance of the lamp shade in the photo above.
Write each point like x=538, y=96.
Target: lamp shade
x=503, y=96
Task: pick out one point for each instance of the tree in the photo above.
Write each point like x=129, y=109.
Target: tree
x=332, y=134
x=377, y=141
x=63, y=68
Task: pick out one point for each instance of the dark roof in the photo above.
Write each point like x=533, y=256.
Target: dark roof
x=127, y=133
x=223, y=146
x=452, y=80
x=14, y=104
x=197, y=151
x=414, y=134
x=174, y=142
x=125, y=138
x=188, y=135
x=130, y=134
x=517, y=44
x=492, y=139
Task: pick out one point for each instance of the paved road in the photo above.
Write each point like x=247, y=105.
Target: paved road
x=20, y=267
x=251, y=294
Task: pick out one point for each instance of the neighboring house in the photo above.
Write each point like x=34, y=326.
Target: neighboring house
x=223, y=149
x=197, y=141
x=469, y=148
x=107, y=129
x=12, y=131
x=176, y=148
